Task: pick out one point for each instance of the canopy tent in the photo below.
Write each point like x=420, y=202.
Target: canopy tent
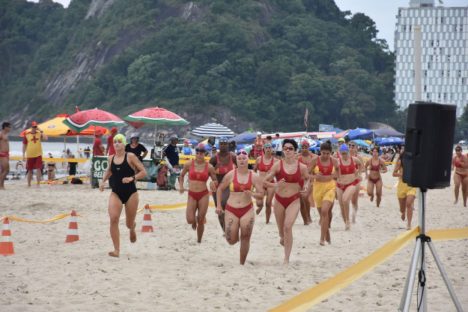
x=389, y=141
x=245, y=137
x=360, y=133
x=213, y=130
x=387, y=133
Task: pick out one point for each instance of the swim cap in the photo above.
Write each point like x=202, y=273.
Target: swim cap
x=200, y=148
x=344, y=148
x=223, y=140
x=305, y=142
x=341, y=140
x=120, y=137
x=267, y=145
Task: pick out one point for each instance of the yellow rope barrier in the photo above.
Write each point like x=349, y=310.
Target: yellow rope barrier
x=314, y=295
x=57, y=160
x=53, y=219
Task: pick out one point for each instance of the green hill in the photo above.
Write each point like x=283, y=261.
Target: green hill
x=244, y=63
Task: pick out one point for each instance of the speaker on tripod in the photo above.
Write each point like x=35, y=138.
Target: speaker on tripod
x=426, y=161
x=428, y=145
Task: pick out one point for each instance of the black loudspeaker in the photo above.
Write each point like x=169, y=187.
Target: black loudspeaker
x=429, y=138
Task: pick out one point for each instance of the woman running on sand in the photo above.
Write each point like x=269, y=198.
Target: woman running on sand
x=199, y=171
x=376, y=165
x=347, y=183
x=324, y=189
x=353, y=152
x=125, y=169
x=306, y=157
x=460, y=176
x=263, y=165
x=239, y=214
x=292, y=180
x=406, y=194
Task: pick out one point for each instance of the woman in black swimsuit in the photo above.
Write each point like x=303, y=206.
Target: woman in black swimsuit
x=125, y=169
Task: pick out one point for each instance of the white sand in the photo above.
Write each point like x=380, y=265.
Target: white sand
x=168, y=271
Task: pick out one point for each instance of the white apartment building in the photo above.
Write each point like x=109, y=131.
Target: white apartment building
x=444, y=57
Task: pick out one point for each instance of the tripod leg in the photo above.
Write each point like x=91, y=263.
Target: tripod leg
x=406, y=297
x=445, y=277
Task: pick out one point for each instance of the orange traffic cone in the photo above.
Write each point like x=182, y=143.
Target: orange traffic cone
x=6, y=245
x=72, y=233
x=147, y=225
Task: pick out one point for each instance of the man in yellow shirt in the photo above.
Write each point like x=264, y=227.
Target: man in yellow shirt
x=32, y=148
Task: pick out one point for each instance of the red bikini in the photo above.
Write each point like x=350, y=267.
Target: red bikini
x=347, y=169
x=223, y=169
x=325, y=170
x=265, y=167
x=374, y=168
x=289, y=178
x=198, y=176
x=237, y=187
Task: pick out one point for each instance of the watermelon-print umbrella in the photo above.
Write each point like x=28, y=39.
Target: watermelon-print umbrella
x=157, y=116
x=92, y=117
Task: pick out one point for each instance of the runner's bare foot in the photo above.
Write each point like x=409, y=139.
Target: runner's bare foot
x=372, y=198
x=194, y=225
x=282, y=241
x=114, y=253
x=259, y=209
x=322, y=243
x=348, y=226
x=133, y=236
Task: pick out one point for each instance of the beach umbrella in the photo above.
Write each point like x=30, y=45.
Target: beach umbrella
x=56, y=128
x=360, y=133
x=362, y=143
x=157, y=116
x=245, y=137
x=92, y=117
x=213, y=130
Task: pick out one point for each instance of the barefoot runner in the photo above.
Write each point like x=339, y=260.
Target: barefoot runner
x=239, y=214
x=306, y=157
x=324, y=189
x=375, y=165
x=292, y=179
x=223, y=162
x=460, y=176
x=406, y=194
x=199, y=171
x=353, y=151
x=263, y=164
x=124, y=169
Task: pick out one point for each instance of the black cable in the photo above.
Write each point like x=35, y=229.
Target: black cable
x=422, y=284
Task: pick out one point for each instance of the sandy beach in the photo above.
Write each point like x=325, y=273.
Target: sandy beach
x=168, y=271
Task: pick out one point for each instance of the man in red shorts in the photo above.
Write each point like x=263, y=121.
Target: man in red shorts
x=4, y=153
x=32, y=152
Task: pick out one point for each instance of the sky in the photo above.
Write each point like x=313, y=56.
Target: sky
x=382, y=12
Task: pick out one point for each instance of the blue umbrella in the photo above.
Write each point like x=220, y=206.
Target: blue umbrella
x=362, y=143
x=389, y=141
x=360, y=133
x=245, y=137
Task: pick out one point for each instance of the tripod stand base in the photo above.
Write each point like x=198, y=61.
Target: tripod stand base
x=418, y=256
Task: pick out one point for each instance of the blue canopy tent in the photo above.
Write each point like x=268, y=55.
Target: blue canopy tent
x=389, y=141
x=245, y=137
x=360, y=133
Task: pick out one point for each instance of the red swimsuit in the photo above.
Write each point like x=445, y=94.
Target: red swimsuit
x=374, y=168
x=223, y=169
x=289, y=178
x=457, y=164
x=238, y=187
x=198, y=176
x=325, y=170
x=347, y=169
x=265, y=167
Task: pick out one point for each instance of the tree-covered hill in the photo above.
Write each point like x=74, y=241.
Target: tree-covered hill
x=244, y=63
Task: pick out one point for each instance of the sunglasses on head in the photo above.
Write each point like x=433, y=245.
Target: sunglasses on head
x=118, y=141
x=200, y=151
x=352, y=145
x=288, y=148
x=242, y=153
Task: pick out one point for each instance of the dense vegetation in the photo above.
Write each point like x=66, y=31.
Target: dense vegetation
x=263, y=61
